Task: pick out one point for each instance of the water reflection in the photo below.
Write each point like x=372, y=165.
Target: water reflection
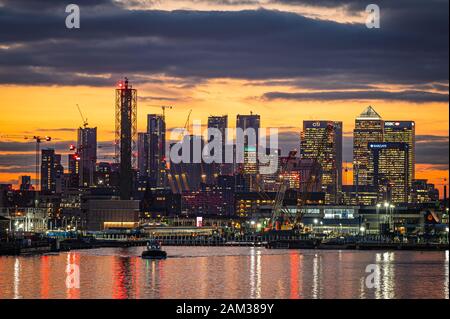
x=446, y=270
x=385, y=280
x=255, y=273
x=16, y=278
x=73, y=276
x=235, y=272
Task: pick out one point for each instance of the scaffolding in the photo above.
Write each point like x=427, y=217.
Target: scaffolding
x=126, y=135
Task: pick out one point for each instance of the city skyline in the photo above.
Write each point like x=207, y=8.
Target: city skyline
x=295, y=82
x=63, y=148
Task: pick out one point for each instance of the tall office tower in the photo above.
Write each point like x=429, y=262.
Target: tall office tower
x=389, y=171
x=368, y=129
x=219, y=123
x=87, y=151
x=403, y=132
x=249, y=168
x=322, y=141
x=125, y=136
x=156, y=128
x=59, y=174
x=74, y=170
x=51, y=171
x=25, y=182
x=143, y=154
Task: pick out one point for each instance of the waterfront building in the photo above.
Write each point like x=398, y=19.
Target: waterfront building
x=73, y=178
x=52, y=172
x=219, y=123
x=103, y=214
x=324, y=145
x=87, y=153
x=369, y=128
x=367, y=195
x=249, y=124
x=403, y=132
x=389, y=163
x=423, y=192
x=156, y=154
x=143, y=155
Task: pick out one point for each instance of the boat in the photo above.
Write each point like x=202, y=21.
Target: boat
x=154, y=251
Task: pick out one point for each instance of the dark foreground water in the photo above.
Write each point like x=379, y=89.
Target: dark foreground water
x=220, y=272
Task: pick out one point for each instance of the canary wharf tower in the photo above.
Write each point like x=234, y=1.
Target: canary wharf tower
x=369, y=128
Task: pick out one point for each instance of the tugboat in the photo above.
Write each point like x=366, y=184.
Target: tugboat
x=154, y=251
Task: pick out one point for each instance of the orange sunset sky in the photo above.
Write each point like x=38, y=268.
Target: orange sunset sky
x=43, y=78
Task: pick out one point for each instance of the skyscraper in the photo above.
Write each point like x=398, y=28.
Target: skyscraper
x=156, y=130
x=250, y=125
x=51, y=171
x=143, y=155
x=87, y=151
x=389, y=171
x=368, y=129
x=74, y=170
x=403, y=132
x=322, y=141
x=125, y=136
x=219, y=123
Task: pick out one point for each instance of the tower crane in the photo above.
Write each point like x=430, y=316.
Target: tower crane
x=163, y=107
x=186, y=124
x=85, y=120
x=38, y=139
x=278, y=213
x=277, y=209
x=314, y=173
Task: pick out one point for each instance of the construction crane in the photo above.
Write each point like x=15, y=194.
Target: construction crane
x=278, y=212
x=186, y=124
x=85, y=120
x=163, y=107
x=314, y=173
x=277, y=209
x=38, y=140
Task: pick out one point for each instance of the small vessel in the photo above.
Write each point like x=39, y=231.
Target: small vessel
x=154, y=251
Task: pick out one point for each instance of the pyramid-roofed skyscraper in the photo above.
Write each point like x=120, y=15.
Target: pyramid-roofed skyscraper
x=368, y=129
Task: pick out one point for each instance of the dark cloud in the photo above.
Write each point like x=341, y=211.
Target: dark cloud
x=431, y=138
x=255, y=45
x=46, y=5
x=157, y=98
x=13, y=146
x=408, y=96
x=432, y=149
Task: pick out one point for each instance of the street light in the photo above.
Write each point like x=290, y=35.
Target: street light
x=378, y=219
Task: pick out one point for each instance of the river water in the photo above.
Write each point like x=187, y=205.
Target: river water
x=226, y=272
